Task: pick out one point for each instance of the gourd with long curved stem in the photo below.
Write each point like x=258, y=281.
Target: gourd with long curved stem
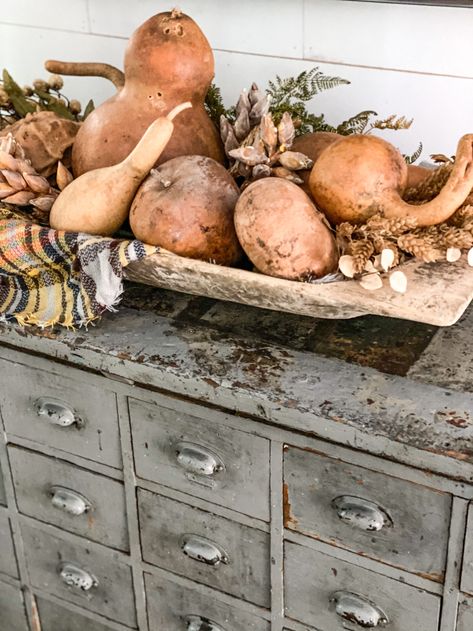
x=98, y=202
x=360, y=176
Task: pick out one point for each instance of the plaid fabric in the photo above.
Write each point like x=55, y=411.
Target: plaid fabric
x=49, y=277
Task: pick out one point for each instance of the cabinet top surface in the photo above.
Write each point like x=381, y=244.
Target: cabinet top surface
x=389, y=379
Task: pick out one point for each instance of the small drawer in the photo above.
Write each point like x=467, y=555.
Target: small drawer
x=201, y=457
x=12, y=609
x=56, y=618
x=205, y=547
x=327, y=593
x=69, y=497
x=388, y=519
x=465, y=614
x=173, y=607
x=81, y=575
x=467, y=577
x=7, y=552
x=60, y=412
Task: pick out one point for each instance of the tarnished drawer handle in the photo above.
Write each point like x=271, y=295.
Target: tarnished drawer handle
x=358, y=609
x=57, y=413
x=361, y=513
x=197, y=623
x=75, y=576
x=197, y=459
x=69, y=501
x=203, y=550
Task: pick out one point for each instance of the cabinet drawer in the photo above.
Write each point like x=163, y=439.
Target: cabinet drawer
x=172, y=607
x=205, y=547
x=200, y=457
x=56, y=618
x=317, y=584
x=400, y=523
x=60, y=412
x=465, y=615
x=81, y=575
x=12, y=609
x=69, y=497
x=7, y=552
x=467, y=578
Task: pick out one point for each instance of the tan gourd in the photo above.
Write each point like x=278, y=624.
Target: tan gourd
x=98, y=202
x=359, y=176
x=168, y=61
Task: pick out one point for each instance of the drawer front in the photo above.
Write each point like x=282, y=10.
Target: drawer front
x=327, y=593
x=465, y=615
x=12, y=609
x=7, y=552
x=467, y=577
x=400, y=523
x=56, y=618
x=205, y=547
x=3, y=499
x=172, y=607
x=75, y=417
x=201, y=457
x=98, y=582
x=69, y=497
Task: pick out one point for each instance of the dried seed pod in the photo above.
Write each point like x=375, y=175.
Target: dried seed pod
x=231, y=143
x=225, y=128
x=44, y=203
x=259, y=171
x=243, y=169
x=243, y=103
x=294, y=160
x=269, y=133
x=249, y=155
x=63, y=176
x=6, y=190
x=453, y=254
x=286, y=175
x=371, y=281
x=398, y=282
x=242, y=125
x=7, y=161
x=259, y=109
x=37, y=183
x=286, y=132
x=25, y=166
x=255, y=94
x=15, y=180
x=22, y=198
x=346, y=265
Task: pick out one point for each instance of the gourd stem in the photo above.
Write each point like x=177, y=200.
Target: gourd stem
x=450, y=198
x=87, y=69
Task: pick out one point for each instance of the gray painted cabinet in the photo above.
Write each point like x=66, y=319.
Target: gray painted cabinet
x=187, y=473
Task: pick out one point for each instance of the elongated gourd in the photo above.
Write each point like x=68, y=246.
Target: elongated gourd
x=359, y=176
x=98, y=202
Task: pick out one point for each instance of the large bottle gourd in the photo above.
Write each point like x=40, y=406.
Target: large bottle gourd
x=98, y=202
x=168, y=61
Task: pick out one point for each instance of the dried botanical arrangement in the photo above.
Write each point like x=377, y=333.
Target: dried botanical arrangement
x=43, y=95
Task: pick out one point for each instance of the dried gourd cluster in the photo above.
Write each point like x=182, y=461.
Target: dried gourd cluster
x=256, y=190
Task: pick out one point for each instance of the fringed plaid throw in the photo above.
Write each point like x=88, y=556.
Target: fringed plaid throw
x=49, y=277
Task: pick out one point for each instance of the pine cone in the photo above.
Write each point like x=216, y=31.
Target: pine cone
x=20, y=185
x=430, y=187
x=379, y=225
x=420, y=247
x=361, y=252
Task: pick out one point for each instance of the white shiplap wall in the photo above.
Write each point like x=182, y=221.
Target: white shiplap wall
x=412, y=60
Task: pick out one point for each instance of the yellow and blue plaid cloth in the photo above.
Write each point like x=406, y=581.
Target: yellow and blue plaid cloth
x=50, y=277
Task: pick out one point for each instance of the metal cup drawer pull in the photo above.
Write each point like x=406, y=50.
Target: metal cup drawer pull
x=359, y=610
x=203, y=550
x=57, y=412
x=75, y=576
x=361, y=513
x=197, y=623
x=197, y=459
x=69, y=501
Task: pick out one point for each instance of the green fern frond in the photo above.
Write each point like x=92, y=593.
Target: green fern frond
x=355, y=124
x=303, y=87
x=413, y=157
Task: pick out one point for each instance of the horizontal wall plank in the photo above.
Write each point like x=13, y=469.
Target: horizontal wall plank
x=37, y=45
x=269, y=28
x=50, y=14
x=424, y=39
